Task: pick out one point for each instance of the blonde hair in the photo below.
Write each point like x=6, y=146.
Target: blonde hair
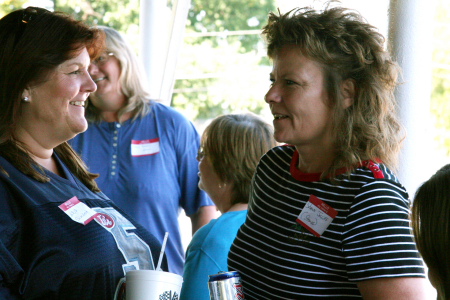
x=234, y=145
x=348, y=48
x=132, y=78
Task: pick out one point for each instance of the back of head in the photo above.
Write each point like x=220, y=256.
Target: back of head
x=348, y=48
x=132, y=77
x=431, y=227
x=234, y=145
x=33, y=42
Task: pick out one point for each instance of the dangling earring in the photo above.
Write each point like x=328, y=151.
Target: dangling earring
x=26, y=99
x=224, y=185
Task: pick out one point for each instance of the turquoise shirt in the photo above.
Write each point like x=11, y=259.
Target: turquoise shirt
x=207, y=254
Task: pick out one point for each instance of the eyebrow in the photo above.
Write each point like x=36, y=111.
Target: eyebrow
x=79, y=64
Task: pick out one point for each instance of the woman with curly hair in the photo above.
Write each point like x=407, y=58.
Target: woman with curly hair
x=327, y=216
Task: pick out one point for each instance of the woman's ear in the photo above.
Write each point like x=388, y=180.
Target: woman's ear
x=348, y=92
x=26, y=95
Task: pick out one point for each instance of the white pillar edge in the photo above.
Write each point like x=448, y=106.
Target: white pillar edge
x=178, y=23
x=152, y=40
x=410, y=43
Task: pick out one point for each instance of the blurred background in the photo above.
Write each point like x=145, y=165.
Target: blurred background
x=220, y=65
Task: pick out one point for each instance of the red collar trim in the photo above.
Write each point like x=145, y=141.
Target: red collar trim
x=310, y=177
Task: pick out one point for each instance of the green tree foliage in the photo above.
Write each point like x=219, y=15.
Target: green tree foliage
x=232, y=60
x=226, y=16
x=237, y=82
x=440, y=94
x=122, y=15
x=223, y=73
x=7, y=6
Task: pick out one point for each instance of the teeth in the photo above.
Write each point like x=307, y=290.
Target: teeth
x=279, y=116
x=98, y=79
x=77, y=103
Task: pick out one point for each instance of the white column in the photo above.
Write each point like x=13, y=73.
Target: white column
x=152, y=46
x=410, y=43
x=161, y=36
x=176, y=33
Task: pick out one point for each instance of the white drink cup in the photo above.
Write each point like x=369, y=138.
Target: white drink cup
x=152, y=285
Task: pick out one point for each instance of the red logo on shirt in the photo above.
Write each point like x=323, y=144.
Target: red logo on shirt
x=105, y=220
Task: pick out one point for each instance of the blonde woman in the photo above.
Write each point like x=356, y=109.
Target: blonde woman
x=231, y=147
x=143, y=151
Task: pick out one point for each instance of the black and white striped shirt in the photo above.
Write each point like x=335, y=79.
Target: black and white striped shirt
x=370, y=237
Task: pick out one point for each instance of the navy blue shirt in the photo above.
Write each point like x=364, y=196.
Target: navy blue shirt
x=44, y=254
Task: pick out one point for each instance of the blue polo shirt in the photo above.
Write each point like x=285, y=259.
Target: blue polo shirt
x=148, y=168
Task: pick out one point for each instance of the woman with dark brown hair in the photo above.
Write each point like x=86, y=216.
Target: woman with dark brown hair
x=431, y=226
x=60, y=237
x=327, y=218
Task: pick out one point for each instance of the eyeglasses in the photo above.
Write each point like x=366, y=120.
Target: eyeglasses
x=200, y=154
x=28, y=15
x=102, y=59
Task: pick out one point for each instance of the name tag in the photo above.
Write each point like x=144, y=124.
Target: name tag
x=78, y=211
x=316, y=216
x=144, y=147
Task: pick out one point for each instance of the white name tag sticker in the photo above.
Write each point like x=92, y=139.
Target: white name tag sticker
x=144, y=147
x=78, y=211
x=316, y=216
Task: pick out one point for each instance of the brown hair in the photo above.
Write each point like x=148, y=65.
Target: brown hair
x=431, y=228
x=234, y=145
x=348, y=49
x=34, y=42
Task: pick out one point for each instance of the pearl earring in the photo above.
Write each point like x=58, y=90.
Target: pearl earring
x=26, y=99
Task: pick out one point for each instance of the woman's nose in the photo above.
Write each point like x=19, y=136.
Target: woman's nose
x=90, y=85
x=92, y=69
x=272, y=95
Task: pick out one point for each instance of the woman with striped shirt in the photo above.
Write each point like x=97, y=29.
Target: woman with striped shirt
x=327, y=218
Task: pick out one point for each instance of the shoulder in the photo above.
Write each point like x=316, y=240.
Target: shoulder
x=200, y=235
x=163, y=111
x=168, y=118
x=235, y=217
x=379, y=183
x=9, y=173
x=282, y=149
x=279, y=154
x=225, y=228
x=369, y=171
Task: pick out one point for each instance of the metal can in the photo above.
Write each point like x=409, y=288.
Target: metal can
x=225, y=286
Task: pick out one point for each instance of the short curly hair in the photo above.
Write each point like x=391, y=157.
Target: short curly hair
x=347, y=47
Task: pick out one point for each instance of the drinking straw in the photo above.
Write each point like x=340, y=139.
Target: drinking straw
x=161, y=254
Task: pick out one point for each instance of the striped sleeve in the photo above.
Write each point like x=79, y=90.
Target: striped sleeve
x=377, y=238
